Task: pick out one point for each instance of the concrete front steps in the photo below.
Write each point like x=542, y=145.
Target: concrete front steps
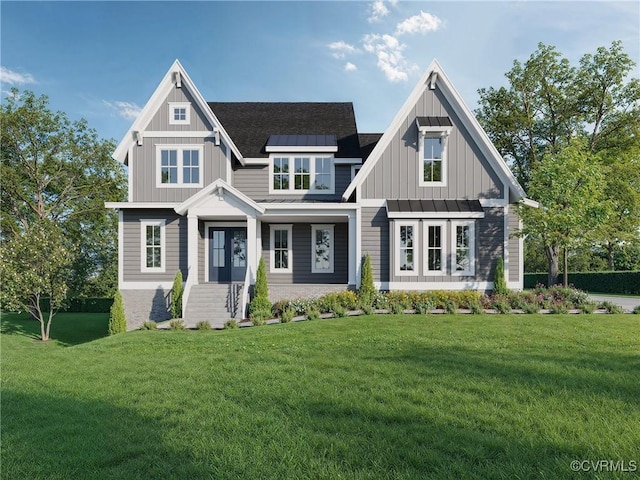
x=214, y=303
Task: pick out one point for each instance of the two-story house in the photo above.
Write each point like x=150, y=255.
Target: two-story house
x=215, y=186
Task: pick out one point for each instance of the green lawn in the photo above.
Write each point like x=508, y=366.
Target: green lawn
x=369, y=397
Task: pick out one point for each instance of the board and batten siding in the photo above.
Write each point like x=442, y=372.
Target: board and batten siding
x=175, y=245
x=375, y=241
x=301, y=252
x=198, y=121
x=396, y=174
x=253, y=181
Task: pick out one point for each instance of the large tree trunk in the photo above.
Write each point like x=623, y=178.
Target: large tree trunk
x=553, y=253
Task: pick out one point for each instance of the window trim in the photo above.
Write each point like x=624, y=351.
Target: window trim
x=312, y=174
x=416, y=249
x=144, y=223
x=180, y=165
x=272, y=244
x=173, y=106
x=443, y=247
x=331, y=229
x=472, y=248
x=433, y=132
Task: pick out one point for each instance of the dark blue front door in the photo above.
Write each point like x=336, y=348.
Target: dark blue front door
x=227, y=254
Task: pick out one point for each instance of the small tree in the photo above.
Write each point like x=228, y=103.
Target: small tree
x=35, y=266
x=176, y=296
x=260, y=306
x=117, y=319
x=367, y=290
x=499, y=282
x=261, y=289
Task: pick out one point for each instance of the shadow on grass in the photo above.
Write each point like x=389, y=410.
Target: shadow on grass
x=57, y=437
x=66, y=328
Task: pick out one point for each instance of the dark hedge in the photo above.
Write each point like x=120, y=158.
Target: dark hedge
x=600, y=282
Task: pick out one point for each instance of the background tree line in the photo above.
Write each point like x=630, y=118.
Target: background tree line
x=571, y=134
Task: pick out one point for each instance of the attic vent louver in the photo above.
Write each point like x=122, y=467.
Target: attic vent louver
x=178, y=79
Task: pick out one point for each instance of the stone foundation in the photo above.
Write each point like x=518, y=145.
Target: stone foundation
x=143, y=305
x=304, y=290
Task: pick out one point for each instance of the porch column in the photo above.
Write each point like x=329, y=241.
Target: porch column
x=252, y=248
x=192, y=242
x=354, y=247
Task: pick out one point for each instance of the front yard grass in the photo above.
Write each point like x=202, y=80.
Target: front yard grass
x=386, y=396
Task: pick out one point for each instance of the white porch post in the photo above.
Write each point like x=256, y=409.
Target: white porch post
x=252, y=247
x=192, y=242
x=354, y=247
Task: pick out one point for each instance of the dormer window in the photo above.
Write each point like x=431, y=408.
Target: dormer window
x=433, y=135
x=179, y=113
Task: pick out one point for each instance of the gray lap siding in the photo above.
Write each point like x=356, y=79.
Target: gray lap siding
x=175, y=245
x=301, y=252
x=375, y=241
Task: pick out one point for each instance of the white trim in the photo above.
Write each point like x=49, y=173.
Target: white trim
x=310, y=206
x=373, y=202
x=193, y=236
x=348, y=161
x=493, y=202
x=520, y=281
x=530, y=203
x=257, y=161
x=178, y=134
x=125, y=205
x=457, y=286
x=213, y=224
x=433, y=132
x=460, y=108
x=130, y=175
x=204, y=194
x=472, y=248
x=187, y=109
x=312, y=174
x=443, y=248
x=144, y=223
x=179, y=149
x=150, y=285
x=415, y=247
x=120, y=249
x=355, y=169
x=272, y=254
x=435, y=215
x=301, y=149
x=330, y=229
x=505, y=220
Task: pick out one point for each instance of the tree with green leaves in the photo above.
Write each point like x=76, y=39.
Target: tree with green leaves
x=176, y=295
x=499, y=281
x=34, y=271
x=117, y=319
x=570, y=187
x=60, y=171
x=367, y=290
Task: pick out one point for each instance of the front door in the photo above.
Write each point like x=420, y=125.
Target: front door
x=227, y=254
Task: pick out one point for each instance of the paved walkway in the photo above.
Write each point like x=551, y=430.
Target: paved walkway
x=627, y=303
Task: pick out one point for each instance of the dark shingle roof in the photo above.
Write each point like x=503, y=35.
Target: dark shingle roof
x=249, y=124
x=434, y=121
x=302, y=141
x=435, y=206
x=368, y=141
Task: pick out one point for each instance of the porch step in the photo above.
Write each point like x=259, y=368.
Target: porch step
x=214, y=303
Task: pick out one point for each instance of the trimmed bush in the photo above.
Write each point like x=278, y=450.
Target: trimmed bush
x=600, y=282
x=176, y=296
x=231, y=324
x=312, y=314
x=499, y=282
x=260, y=306
x=367, y=290
x=177, y=324
x=203, y=325
x=117, y=320
x=261, y=289
x=149, y=325
x=287, y=315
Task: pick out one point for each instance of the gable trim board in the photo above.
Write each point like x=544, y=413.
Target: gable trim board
x=434, y=77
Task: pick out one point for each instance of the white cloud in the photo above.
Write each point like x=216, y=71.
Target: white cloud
x=15, y=78
x=341, y=49
x=422, y=23
x=126, y=110
x=388, y=51
x=350, y=67
x=378, y=11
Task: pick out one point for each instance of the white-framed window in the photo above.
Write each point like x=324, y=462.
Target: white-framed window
x=406, y=248
x=432, y=167
x=434, y=248
x=152, y=242
x=463, y=248
x=281, y=255
x=179, y=113
x=179, y=166
x=304, y=173
x=322, y=241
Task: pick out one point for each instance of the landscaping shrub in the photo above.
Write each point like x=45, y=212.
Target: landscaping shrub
x=588, y=307
x=367, y=290
x=149, y=325
x=177, y=324
x=636, y=311
x=612, y=307
x=499, y=282
x=559, y=308
x=231, y=324
x=261, y=288
x=312, y=313
x=396, y=307
x=287, y=315
x=476, y=308
x=117, y=320
x=367, y=309
x=339, y=311
x=501, y=303
x=450, y=306
x=176, y=296
x=423, y=307
x=531, y=308
x=203, y=325
x=260, y=306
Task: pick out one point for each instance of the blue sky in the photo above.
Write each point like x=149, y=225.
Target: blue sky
x=102, y=60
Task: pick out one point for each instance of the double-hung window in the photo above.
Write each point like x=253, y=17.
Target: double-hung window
x=179, y=166
x=463, y=248
x=406, y=251
x=432, y=159
x=434, y=245
x=302, y=174
x=152, y=235
x=433, y=137
x=280, y=255
x=179, y=113
x=322, y=241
